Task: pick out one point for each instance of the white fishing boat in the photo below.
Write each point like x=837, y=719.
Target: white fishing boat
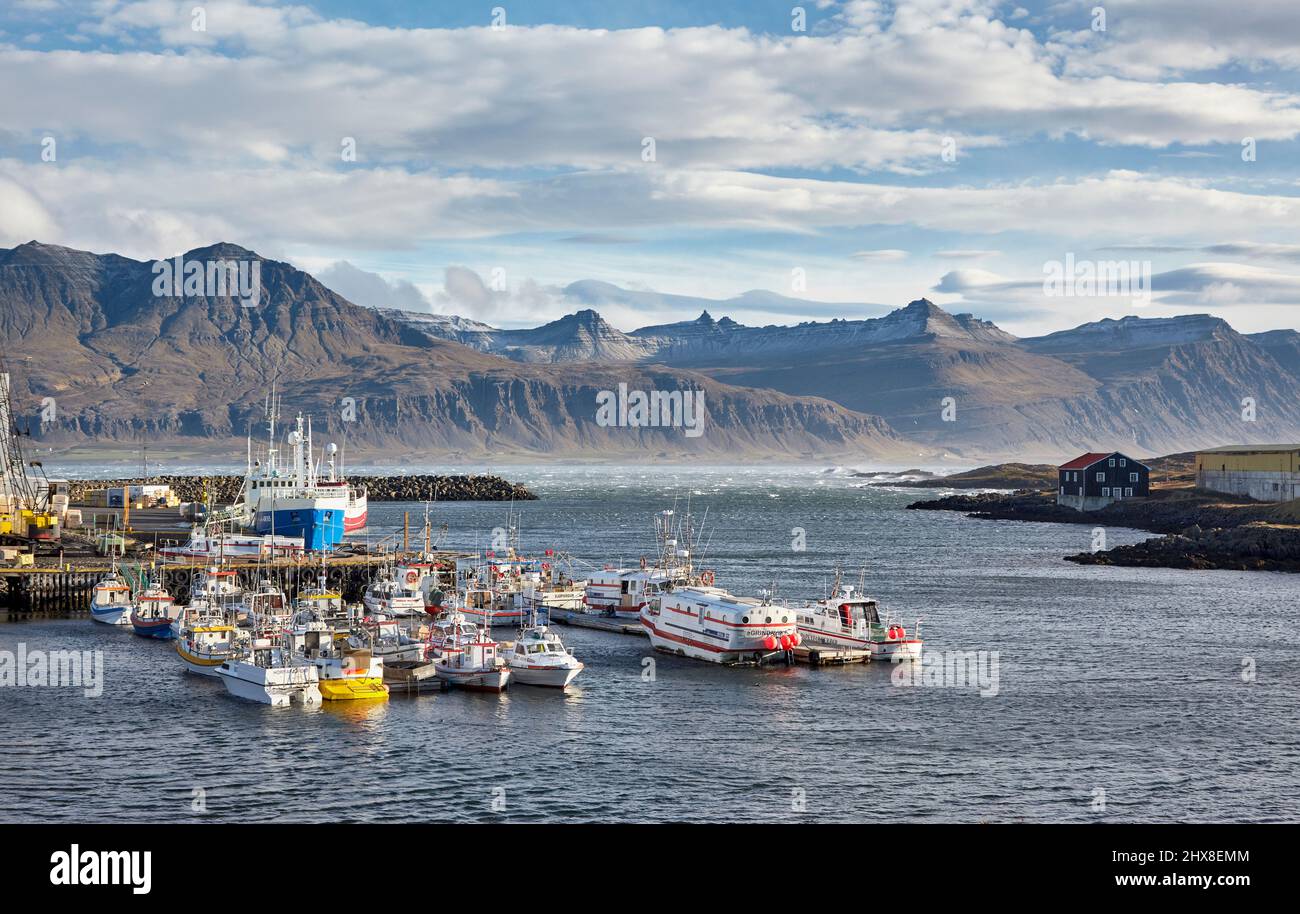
x=486, y=606
x=539, y=658
x=709, y=623
x=215, y=595
x=388, y=640
x=110, y=601
x=625, y=592
x=848, y=621
x=387, y=596
x=271, y=675
x=474, y=664
x=204, y=546
x=265, y=601
x=216, y=586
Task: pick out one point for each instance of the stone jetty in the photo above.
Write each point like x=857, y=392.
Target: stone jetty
x=414, y=487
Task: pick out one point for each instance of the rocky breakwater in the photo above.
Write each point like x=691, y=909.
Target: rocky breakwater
x=414, y=487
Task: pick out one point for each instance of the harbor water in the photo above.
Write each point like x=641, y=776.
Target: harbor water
x=1122, y=694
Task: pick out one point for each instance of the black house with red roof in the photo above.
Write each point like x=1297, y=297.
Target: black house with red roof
x=1094, y=480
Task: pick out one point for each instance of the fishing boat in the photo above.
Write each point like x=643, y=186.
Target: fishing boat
x=110, y=601
x=388, y=641
x=625, y=592
x=344, y=672
x=486, y=606
x=154, y=613
x=289, y=499
x=269, y=674
x=264, y=601
x=387, y=596
x=846, y=620
x=204, y=644
x=204, y=546
x=538, y=657
x=355, y=511
x=472, y=664
x=708, y=623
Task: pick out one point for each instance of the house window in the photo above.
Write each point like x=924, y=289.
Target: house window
x=1123, y=462
x=1105, y=493
x=1101, y=475
x=1062, y=490
x=1128, y=493
x=1112, y=461
x=1132, y=477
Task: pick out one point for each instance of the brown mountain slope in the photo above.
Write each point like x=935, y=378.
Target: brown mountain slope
x=123, y=364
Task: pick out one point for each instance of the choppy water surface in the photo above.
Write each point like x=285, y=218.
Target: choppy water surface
x=1115, y=685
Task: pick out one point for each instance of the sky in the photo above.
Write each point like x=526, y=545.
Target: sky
x=849, y=157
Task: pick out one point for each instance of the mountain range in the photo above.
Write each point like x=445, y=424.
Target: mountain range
x=124, y=364
x=918, y=383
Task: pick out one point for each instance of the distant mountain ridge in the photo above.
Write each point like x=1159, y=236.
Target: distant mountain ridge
x=1153, y=385
x=124, y=364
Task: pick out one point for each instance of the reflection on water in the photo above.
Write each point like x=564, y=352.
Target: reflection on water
x=1123, y=680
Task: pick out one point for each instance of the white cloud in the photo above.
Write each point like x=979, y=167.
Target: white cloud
x=371, y=289
x=884, y=255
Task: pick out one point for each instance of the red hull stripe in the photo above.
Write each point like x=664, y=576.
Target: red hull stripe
x=690, y=642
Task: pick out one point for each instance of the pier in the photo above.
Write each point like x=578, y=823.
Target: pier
x=66, y=587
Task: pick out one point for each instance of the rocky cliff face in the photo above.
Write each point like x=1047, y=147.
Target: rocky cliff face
x=123, y=363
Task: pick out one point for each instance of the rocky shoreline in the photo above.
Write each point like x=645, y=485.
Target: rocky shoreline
x=1252, y=547
x=224, y=489
x=1202, y=530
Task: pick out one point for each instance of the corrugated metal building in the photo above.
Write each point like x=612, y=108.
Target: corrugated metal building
x=1267, y=472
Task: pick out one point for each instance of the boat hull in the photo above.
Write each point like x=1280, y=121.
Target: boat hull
x=159, y=629
x=694, y=645
x=112, y=615
x=369, y=688
x=319, y=526
x=278, y=687
x=550, y=677
x=200, y=663
x=474, y=680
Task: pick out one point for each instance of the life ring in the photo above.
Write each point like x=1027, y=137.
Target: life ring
x=412, y=577
x=707, y=579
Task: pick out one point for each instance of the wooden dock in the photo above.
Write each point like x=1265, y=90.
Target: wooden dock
x=830, y=656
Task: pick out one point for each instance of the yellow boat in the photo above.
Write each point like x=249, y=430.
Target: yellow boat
x=204, y=647
x=352, y=676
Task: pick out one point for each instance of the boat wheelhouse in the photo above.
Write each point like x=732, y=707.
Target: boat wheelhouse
x=849, y=621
